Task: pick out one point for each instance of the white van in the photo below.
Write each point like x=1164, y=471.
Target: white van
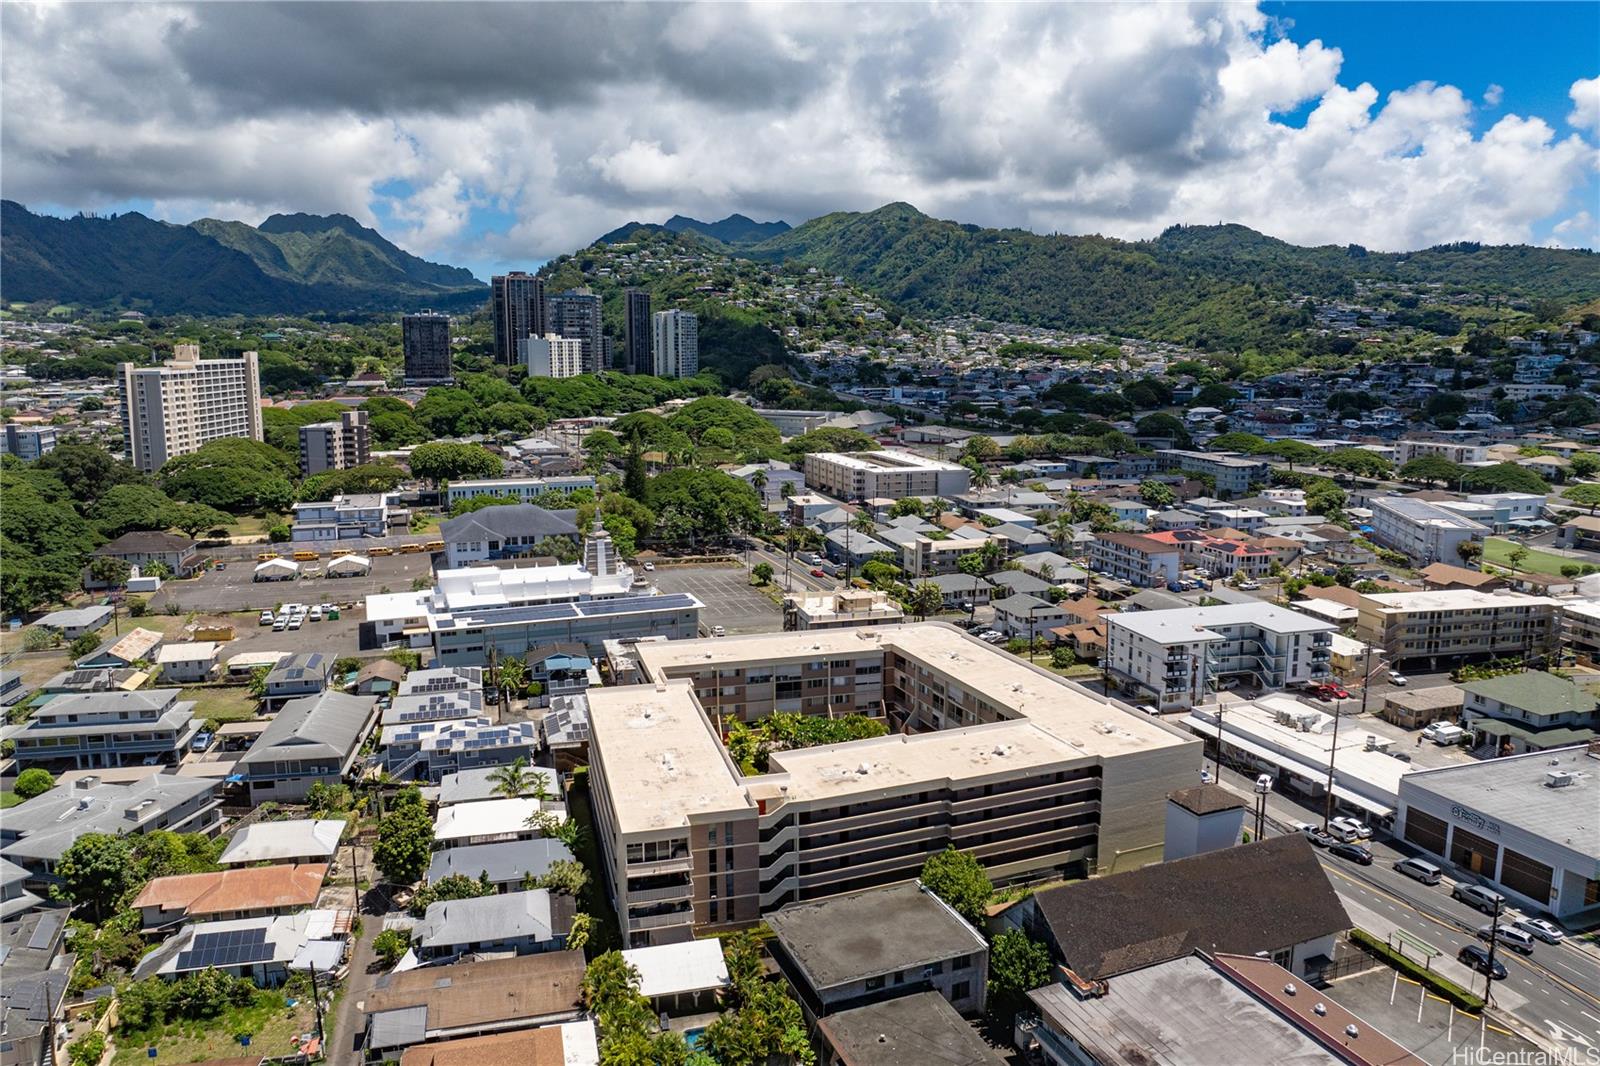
x=1423, y=871
x=1343, y=833
x=1444, y=733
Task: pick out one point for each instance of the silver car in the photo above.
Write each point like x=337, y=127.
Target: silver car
x=1540, y=929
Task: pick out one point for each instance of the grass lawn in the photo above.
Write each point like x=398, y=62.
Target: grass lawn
x=270, y=1023
x=1497, y=550
x=9, y=799
x=254, y=525
x=230, y=703
x=426, y=523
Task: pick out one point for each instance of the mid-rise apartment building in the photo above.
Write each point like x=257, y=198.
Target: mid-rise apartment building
x=337, y=445
x=28, y=443
x=1221, y=556
x=575, y=314
x=1137, y=559
x=1500, y=511
x=526, y=489
x=174, y=409
x=368, y=514
x=425, y=339
x=1454, y=625
x=106, y=729
x=1174, y=659
x=551, y=356
x=1454, y=450
x=639, y=334
x=1581, y=628
x=890, y=474
x=517, y=299
x=922, y=556
x=1234, y=474
x=1424, y=532
x=675, y=344
x=1029, y=773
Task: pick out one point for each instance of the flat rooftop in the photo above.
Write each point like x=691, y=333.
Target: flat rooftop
x=1186, y=624
x=884, y=461
x=1513, y=790
x=664, y=762
x=1178, y=1013
x=1453, y=600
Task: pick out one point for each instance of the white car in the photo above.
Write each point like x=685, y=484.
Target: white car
x=649, y=567
x=266, y=618
x=1397, y=679
x=1353, y=825
x=718, y=631
x=1549, y=932
x=296, y=622
x=1249, y=586
x=315, y=614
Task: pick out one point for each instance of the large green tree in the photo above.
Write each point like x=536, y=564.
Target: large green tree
x=1504, y=477
x=443, y=461
x=703, y=503
x=405, y=843
x=95, y=871
x=1427, y=469
x=958, y=879
x=234, y=475
x=1017, y=965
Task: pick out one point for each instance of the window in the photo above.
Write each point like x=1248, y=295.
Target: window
x=874, y=984
x=960, y=990
x=961, y=962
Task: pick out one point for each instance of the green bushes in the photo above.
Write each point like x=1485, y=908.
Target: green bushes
x=1415, y=970
x=143, y=1005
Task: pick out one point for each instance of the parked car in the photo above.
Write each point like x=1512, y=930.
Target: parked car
x=1152, y=711
x=1478, y=897
x=1478, y=959
x=1354, y=852
x=1315, y=835
x=1397, y=679
x=649, y=567
x=296, y=621
x=817, y=571
x=1540, y=929
x=315, y=614
x=1510, y=936
x=1249, y=586
x=1355, y=825
x=265, y=619
x=718, y=631
x=279, y=624
x=1421, y=869
x=1443, y=733
x=1333, y=692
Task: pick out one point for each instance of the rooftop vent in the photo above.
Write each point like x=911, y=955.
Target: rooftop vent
x=1351, y=1031
x=1320, y=1010
x=1289, y=989
x=1002, y=749
x=864, y=768
x=1557, y=779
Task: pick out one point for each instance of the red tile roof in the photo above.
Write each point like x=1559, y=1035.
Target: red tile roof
x=248, y=888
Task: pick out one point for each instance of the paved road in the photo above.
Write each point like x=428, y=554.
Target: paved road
x=1555, y=991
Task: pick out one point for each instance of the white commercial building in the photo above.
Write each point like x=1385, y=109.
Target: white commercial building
x=1500, y=510
x=174, y=409
x=526, y=489
x=1527, y=825
x=1455, y=451
x=891, y=474
x=1293, y=742
x=675, y=347
x=1176, y=657
x=1424, y=532
x=551, y=356
x=372, y=514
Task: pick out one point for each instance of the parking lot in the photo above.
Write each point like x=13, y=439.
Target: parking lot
x=730, y=600
x=234, y=589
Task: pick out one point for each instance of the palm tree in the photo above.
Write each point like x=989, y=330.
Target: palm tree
x=758, y=481
x=513, y=678
x=538, y=785
x=863, y=522
x=511, y=781
x=926, y=598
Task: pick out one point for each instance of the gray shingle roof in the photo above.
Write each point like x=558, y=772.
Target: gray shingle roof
x=330, y=725
x=507, y=861
x=510, y=520
x=538, y=915
x=1241, y=900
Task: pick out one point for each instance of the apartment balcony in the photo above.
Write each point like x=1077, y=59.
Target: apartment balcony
x=678, y=864
x=666, y=893
x=661, y=921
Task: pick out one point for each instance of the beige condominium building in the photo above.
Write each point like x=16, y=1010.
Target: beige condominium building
x=888, y=475
x=1454, y=625
x=1031, y=774
x=173, y=409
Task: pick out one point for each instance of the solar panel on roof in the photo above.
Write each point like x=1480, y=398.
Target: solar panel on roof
x=44, y=932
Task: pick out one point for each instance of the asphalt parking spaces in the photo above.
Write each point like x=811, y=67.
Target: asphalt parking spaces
x=1431, y=1028
x=730, y=600
x=234, y=589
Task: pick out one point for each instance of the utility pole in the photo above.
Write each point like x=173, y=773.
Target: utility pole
x=1327, y=803
x=1218, y=778
x=1366, y=678
x=1494, y=942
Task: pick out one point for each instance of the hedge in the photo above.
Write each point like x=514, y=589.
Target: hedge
x=1411, y=968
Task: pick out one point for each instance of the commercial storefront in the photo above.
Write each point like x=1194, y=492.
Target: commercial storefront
x=1523, y=825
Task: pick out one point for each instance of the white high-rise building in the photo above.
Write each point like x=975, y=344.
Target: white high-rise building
x=551, y=356
x=173, y=409
x=676, y=346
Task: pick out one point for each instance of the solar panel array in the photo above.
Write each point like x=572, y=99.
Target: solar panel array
x=679, y=601
x=234, y=947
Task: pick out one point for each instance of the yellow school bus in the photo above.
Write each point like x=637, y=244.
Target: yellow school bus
x=410, y=549
x=306, y=554
x=380, y=550
x=262, y=557
x=434, y=546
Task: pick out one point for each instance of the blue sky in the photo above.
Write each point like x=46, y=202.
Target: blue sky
x=1076, y=118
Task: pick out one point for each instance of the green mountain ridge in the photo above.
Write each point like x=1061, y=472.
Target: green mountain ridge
x=290, y=264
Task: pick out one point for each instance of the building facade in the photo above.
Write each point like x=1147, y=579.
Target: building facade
x=519, y=311
x=371, y=514
x=675, y=344
x=575, y=314
x=1424, y=532
x=551, y=356
x=1139, y=560
x=1456, y=625
x=526, y=489
x=107, y=729
x=174, y=409
x=890, y=474
x=639, y=333
x=425, y=339
x=1234, y=474
x=1176, y=658
x=337, y=445
x=28, y=443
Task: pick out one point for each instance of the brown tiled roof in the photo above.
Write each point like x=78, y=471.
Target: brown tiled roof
x=1254, y=897
x=529, y=1047
x=1138, y=542
x=245, y=888
x=1087, y=608
x=1443, y=575
x=1333, y=594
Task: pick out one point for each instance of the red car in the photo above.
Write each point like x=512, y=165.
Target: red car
x=1333, y=692
x=819, y=573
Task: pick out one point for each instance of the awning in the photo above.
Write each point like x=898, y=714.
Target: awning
x=1314, y=773
x=324, y=955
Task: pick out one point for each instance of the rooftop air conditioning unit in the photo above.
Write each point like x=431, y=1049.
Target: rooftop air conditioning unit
x=1557, y=779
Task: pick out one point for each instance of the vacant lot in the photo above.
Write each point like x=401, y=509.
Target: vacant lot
x=270, y=1022
x=226, y=704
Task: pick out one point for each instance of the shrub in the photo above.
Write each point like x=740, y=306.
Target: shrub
x=391, y=945
x=89, y=1050
x=33, y=782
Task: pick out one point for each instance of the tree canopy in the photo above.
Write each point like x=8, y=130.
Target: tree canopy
x=1426, y=469
x=958, y=879
x=234, y=474
x=1504, y=477
x=444, y=461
